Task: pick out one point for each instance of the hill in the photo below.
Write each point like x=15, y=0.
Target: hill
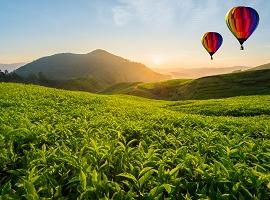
x=261, y=67
x=192, y=73
x=57, y=144
x=97, y=66
x=220, y=86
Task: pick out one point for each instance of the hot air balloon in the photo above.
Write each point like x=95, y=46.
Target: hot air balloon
x=212, y=41
x=242, y=22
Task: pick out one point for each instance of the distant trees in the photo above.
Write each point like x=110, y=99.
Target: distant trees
x=2, y=75
x=10, y=77
x=39, y=79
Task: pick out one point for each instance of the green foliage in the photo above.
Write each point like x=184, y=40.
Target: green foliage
x=56, y=144
x=123, y=88
x=220, y=86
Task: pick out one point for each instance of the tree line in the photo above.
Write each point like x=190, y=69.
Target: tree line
x=13, y=77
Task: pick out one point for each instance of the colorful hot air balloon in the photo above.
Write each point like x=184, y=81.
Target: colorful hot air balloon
x=212, y=41
x=242, y=22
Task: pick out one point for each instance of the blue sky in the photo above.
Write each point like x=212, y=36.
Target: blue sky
x=159, y=33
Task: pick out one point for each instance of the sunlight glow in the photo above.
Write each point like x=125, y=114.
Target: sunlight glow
x=157, y=59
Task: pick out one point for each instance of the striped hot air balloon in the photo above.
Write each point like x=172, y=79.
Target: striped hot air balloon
x=212, y=41
x=242, y=22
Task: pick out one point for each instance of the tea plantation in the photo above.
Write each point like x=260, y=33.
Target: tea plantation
x=57, y=144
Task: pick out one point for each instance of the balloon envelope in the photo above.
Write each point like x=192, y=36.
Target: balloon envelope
x=212, y=41
x=242, y=22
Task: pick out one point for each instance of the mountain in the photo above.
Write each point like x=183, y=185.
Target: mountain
x=211, y=87
x=200, y=72
x=11, y=67
x=261, y=67
x=99, y=66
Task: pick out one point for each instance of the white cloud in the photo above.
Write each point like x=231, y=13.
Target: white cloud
x=120, y=16
x=164, y=12
x=154, y=12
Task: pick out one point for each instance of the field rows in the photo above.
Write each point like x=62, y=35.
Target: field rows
x=56, y=144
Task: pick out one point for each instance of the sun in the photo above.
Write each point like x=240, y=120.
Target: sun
x=157, y=59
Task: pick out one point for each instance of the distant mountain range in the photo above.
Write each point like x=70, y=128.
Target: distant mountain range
x=11, y=67
x=200, y=72
x=193, y=73
x=261, y=67
x=93, y=71
x=103, y=72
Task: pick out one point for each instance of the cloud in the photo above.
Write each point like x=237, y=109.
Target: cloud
x=145, y=11
x=120, y=16
x=163, y=12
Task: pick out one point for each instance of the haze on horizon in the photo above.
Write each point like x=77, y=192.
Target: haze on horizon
x=158, y=33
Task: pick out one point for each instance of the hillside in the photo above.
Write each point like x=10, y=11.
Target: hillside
x=97, y=66
x=261, y=67
x=220, y=86
x=192, y=73
x=57, y=144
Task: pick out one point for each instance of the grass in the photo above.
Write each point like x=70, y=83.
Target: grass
x=235, y=107
x=122, y=88
x=155, y=90
x=57, y=144
x=220, y=86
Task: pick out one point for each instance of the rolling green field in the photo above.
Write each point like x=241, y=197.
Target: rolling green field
x=220, y=86
x=57, y=144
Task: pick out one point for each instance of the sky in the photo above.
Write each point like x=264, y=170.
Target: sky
x=159, y=33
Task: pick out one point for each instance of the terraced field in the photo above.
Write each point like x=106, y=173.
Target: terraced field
x=57, y=144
